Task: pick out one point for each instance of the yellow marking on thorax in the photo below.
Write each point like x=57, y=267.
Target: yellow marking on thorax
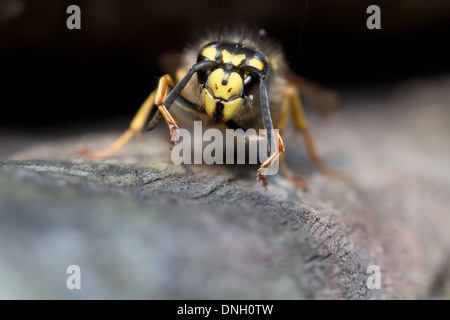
x=256, y=63
x=210, y=53
x=235, y=59
x=223, y=85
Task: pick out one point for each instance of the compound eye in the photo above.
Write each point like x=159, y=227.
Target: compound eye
x=203, y=75
x=250, y=83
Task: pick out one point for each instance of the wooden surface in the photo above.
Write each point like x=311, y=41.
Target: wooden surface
x=141, y=227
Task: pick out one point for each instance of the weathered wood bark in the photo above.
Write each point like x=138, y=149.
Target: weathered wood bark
x=141, y=227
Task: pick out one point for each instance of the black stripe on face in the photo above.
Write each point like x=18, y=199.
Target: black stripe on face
x=218, y=113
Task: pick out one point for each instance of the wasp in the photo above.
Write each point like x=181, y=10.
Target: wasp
x=237, y=79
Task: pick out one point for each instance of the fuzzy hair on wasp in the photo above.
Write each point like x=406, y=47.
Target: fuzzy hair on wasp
x=236, y=79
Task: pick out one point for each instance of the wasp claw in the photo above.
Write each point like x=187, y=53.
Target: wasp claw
x=174, y=137
x=300, y=182
x=260, y=176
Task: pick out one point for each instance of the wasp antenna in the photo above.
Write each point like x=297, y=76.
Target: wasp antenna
x=173, y=95
x=267, y=119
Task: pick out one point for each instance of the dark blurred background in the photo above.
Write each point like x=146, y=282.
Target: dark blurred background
x=52, y=75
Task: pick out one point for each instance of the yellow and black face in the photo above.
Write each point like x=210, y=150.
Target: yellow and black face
x=225, y=88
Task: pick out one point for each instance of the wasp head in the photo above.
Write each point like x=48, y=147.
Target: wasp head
x=226, y=87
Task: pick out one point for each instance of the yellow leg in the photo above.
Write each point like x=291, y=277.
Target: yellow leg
x=136, y=126
x=302, y=125
x=261, y=175
x=282, y=122
x=325, y=100
x=161, y=94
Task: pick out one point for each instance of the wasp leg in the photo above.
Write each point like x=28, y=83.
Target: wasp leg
x=187, y=112
x=302, y=125
x=161, y=94
x=261, y=174
x=136, y=126
x=282, y=121
x=164, y=100
x=259, y=136
x=326, y=101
